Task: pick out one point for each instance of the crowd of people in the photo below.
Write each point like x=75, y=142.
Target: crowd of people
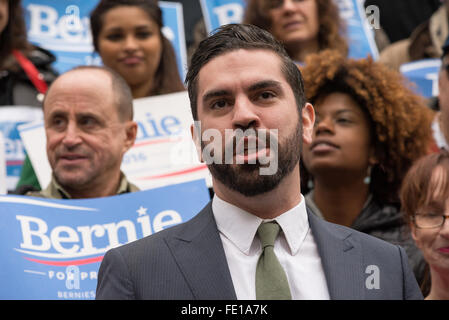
x=361, y=156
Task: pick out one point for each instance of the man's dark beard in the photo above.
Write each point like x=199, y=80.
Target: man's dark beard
x=246, y=179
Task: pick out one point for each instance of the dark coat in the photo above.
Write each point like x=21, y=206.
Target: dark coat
x=17, y=89
x=385, y=222
x=188, y=261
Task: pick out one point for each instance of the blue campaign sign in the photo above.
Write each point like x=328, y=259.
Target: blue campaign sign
x=52, y=249
x=359, y=32
x=10, y=119
x=63, y=28
x=173, y=30
x=360, y=35
x=220, y=12
x=424, y=74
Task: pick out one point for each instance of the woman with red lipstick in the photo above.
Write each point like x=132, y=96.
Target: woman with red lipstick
x=128, y=36
x=425, y=203
x=303, y=26
x=369, y=129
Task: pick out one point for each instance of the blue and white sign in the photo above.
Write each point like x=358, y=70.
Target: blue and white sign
x=173, y=30
x=52, y=249
x=424, y=73
x=220, y=12
x=10, y=119
x=63, y=27
x=360, y=35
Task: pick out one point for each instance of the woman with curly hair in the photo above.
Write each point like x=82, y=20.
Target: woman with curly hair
x=304, y=27
x=369, y=129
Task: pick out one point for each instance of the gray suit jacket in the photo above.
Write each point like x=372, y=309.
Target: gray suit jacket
x=188, y=262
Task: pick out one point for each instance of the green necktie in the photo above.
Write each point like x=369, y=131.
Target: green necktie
x=271, y=280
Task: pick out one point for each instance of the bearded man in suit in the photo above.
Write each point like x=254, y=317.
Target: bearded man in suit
x=255, y=239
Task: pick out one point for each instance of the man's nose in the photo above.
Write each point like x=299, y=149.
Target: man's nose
x=72, y=136
x=244, y=114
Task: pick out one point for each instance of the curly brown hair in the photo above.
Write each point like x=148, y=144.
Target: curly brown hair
x=332, y=30
x=400, y=119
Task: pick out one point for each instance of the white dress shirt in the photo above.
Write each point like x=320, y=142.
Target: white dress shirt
x=295, y=248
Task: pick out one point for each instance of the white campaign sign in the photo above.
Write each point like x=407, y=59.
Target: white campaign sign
x=163, y=153
x=11, y=117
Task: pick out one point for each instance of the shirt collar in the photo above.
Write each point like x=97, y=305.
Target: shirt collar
x=56, y=191
x=240, y=227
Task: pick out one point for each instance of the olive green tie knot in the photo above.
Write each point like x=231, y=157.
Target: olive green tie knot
x=271, y=280
x=268, y=233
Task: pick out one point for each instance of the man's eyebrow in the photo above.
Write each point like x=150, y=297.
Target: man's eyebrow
x=264, y=85
x=214, y=94
x=254, y=87
x=87, y=114
x=58, y=113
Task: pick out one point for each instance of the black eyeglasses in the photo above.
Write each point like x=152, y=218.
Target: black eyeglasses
x=429, y=220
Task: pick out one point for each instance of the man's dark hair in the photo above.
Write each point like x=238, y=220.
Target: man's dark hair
x=232, y=37
x=123, y=96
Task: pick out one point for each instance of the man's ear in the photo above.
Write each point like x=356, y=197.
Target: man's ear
x=308, y=121
x=131, y=134
x=195, y=131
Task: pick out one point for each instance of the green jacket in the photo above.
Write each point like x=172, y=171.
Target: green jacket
x=55, y=191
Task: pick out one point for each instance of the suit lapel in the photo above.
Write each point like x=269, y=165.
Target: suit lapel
x=198, y=250
x=341, y=257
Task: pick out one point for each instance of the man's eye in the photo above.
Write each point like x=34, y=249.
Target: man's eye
x=219, y=104
x=58, y=122
x=267, y=95
x=88, y=122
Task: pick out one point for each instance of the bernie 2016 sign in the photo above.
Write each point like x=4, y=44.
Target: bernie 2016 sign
x=52, y=249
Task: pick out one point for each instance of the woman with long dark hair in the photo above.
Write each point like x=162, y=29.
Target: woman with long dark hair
x=128, y=36
x=25, y=70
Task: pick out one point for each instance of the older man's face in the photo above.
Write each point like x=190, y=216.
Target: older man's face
x=86, y=139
